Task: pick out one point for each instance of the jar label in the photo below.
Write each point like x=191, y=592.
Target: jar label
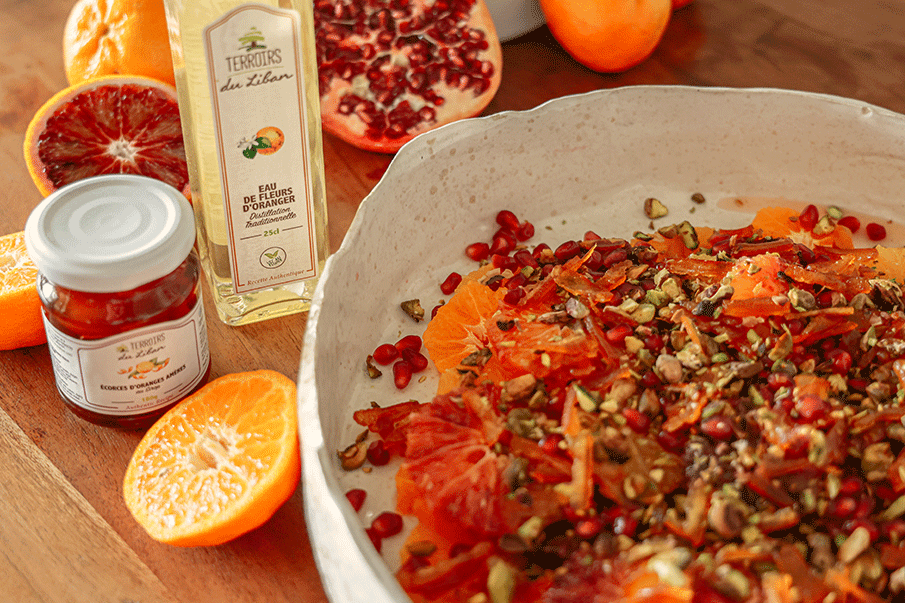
x=256, y=79
x=134, y=372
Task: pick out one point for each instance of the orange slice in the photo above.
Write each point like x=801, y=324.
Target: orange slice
x=107, y=125
x=219, y=463
x=19, y=302
x=782, y=222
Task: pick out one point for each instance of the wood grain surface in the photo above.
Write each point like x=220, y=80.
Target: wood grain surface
x=65, y=533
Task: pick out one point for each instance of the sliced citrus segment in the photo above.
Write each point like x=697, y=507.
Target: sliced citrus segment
x=108, y=125
x=19, y=302
x=219, y=464
x=458, y=328
x=782, y=222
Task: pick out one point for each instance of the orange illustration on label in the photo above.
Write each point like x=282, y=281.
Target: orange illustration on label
x=267, y=141
x=141, y=370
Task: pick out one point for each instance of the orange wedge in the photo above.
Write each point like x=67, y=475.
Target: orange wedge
x=20, y=306
x=218, y=464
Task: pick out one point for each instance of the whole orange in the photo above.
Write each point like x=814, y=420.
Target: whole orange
x=117, y=37
x=608, y=35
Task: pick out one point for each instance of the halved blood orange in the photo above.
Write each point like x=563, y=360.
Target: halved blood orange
x=108, y=125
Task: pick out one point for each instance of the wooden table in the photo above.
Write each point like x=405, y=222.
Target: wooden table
x=65, y=534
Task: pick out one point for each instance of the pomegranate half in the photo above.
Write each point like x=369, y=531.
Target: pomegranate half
x=392, y=69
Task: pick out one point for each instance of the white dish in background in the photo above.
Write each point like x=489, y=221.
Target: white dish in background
x=513, y=18
x=573, y=164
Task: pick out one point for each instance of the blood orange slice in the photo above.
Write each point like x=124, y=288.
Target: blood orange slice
x=107, y=125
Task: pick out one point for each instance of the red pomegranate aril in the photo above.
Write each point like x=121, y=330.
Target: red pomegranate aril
x=650, y=379
x=540, y=250
x=591, y=236
x=777, y=381
x=448, y=286
x=501, y=245
x=525, y=259
x=718, y=428
x=809, y=217
x=387, y=524
x=567, y=251
x=385, y=354
x=377, y=453
x=402, y=374
x=618, y=333
x=508, y=220
x=594, y=261
x=525, y=231
x=636, y=420
x=811, y=408
x=841, y=507
x=840, y=361
x=478, y=251
x=825, y=299
x=850, y=222
x=614, y=257
x=670, y=441
x=875, y=232
x=518, y=280
x=589, y=527
x=514, y=296
x=409, y=342
x=416, y=359
x=504, y=262
x=626, y=525
x=375, y=538
x=356, y=498
x=550, y=444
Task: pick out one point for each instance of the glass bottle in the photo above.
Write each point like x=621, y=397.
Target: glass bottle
x=246, y=77
x=119, y=282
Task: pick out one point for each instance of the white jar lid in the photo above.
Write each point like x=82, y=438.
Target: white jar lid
x=110, y=233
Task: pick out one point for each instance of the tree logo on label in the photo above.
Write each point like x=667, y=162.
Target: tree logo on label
x=273, y=257
x=252, y=40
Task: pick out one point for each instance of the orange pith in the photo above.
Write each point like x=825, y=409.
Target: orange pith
x=219, y=464
x=608, y=35
x=19, y=303
x=117, y=37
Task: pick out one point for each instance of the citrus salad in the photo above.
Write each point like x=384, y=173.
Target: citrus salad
x=691, y=415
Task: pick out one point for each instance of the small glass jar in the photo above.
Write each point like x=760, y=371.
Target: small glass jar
x=120, y=288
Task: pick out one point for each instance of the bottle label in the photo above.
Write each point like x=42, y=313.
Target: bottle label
x=134, y=372
x=254, y=58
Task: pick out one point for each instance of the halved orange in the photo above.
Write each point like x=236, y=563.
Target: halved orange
x=20, y=306
x=218, y=464
x=107, y=125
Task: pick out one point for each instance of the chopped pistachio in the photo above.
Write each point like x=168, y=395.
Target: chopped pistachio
x=413, y=308
x=654, y=209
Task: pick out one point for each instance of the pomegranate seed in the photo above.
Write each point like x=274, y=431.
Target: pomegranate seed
x=894, y=529
x=717, y=428
x=387, y=524
x=841, y=507
x=416, y=359
x=519, y=280
x=402, y=374
x=385, y=354
x=825, y=299
x=452, y=281
x=501, y=245
x=872, y=529
x=525, y=231
x=840, y=360
x=376, y=540
x=588, y=527
x=567, y=251
x=625, y=524
x=850, y=222
x=550, y=444
x=594, y=261
x=795, y=326
x=811, y=408
x=875, y=232
x=504, y=262
x=356, y=498
x=650, y=379
x=478, y=251
x=435, y=309
x=670, y=441
x=507, y=220
x=865, y=507
x=614, y=257
x=539, y=250
x=777, y=381
x=378, y=454
x=525, y=259
x=618, y=333
x=591, y=236
x=636, y=420
x=809, y=217
x=409, y=342
x=514, y=296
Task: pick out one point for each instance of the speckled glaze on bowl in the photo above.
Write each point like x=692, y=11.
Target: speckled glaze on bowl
x=573, y=164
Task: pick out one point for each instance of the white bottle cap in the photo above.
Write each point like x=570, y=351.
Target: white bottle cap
x=110, y=233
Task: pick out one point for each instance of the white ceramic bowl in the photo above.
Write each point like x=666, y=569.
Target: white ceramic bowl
x=573, y=164
x=513, y=18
